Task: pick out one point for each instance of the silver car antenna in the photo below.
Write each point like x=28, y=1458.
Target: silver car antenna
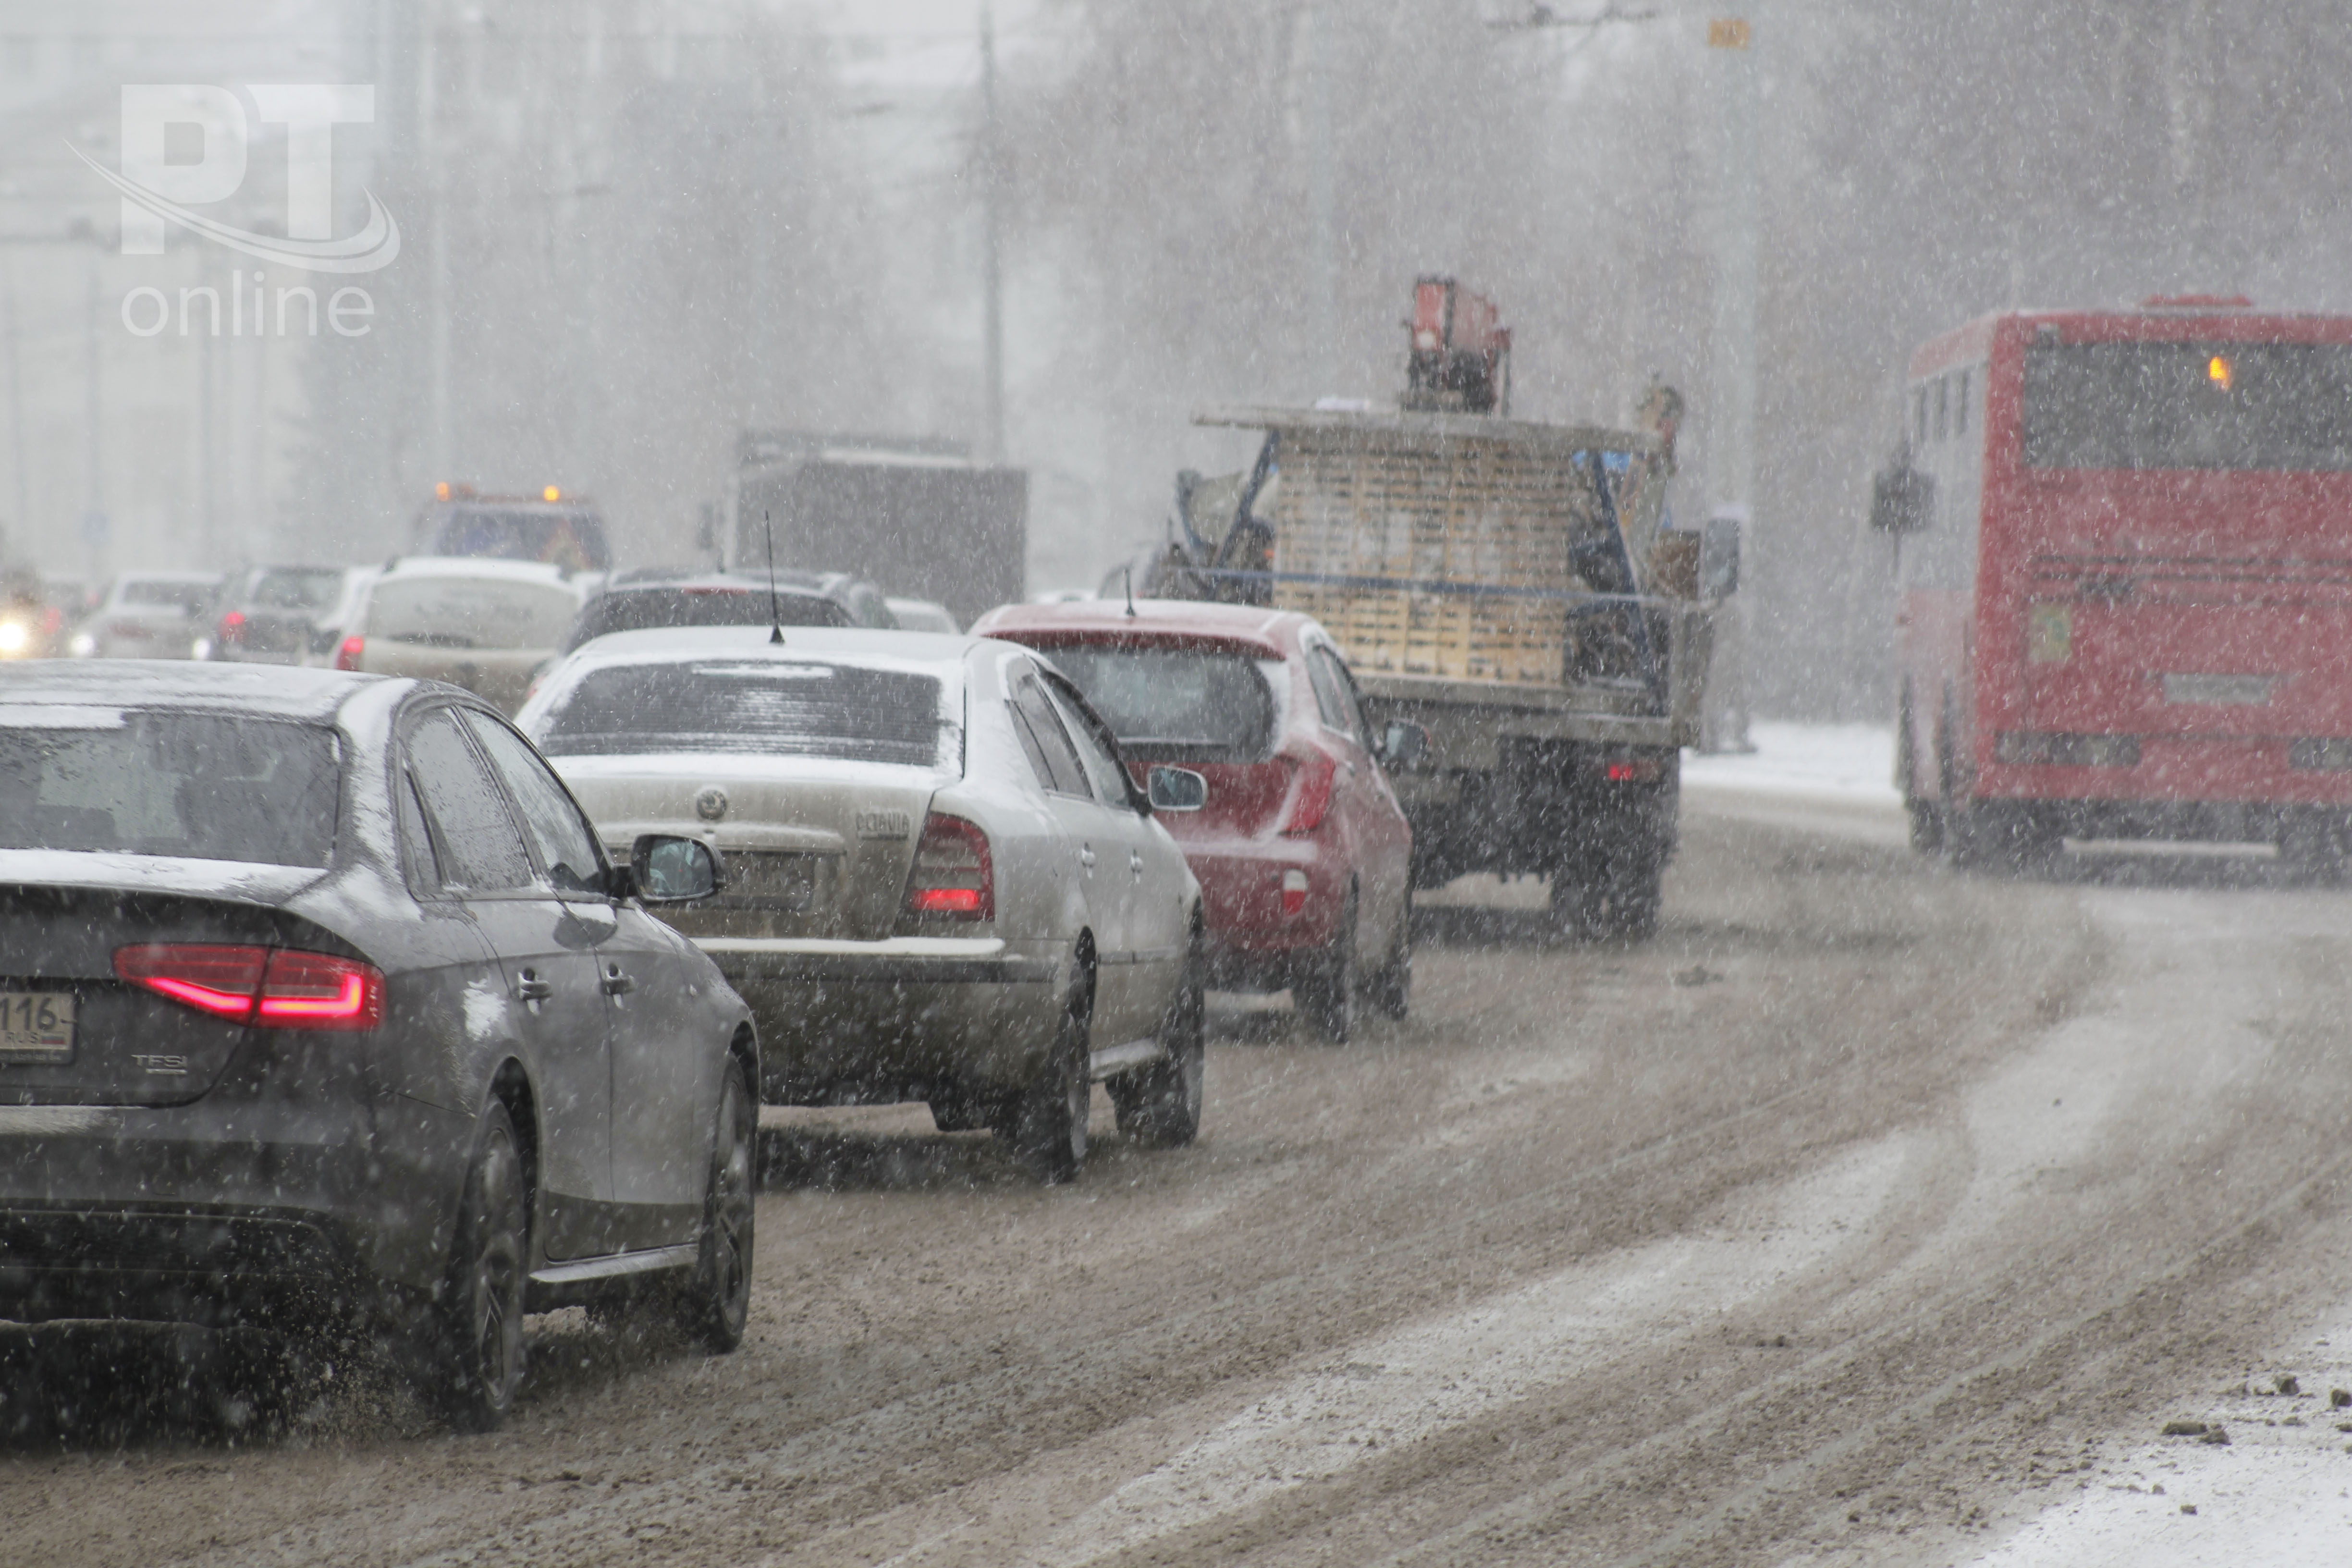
x=1129, y=574
x=775, y=613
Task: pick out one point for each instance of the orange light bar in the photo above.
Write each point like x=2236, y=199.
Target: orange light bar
x=551, y=493
x=2217, y=371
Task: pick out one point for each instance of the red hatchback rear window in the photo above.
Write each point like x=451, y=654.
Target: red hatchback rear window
x=1176, y=704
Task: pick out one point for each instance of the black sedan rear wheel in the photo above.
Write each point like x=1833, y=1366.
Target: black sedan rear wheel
x=716, y=1302
x=481, y=1309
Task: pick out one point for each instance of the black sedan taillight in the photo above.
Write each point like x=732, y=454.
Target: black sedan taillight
x=273, y=988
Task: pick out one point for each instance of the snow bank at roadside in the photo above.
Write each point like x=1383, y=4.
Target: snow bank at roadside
x=1847, y=761
x=2278, y=1495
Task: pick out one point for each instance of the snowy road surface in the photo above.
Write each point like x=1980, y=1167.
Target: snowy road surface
x=1873, y=1213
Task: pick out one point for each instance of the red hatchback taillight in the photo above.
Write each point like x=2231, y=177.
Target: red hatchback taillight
x=347, y=656
x=276, y=988
x=953, y=878
x=1312, y=797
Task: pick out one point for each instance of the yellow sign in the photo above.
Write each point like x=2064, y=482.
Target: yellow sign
x=2049, y=634
x=1727, y=33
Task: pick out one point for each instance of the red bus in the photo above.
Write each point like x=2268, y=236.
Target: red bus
x=2124, y=552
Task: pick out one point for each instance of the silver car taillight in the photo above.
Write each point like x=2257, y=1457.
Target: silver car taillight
x=953, y=878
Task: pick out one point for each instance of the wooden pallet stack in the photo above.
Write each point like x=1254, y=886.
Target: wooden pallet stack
x=1430, y=508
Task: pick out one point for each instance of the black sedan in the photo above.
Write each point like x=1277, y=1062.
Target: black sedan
x=321, y=1004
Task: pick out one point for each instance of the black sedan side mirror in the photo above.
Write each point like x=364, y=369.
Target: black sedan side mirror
x=666, y=869
x=1176, y=789
x=1403, y=746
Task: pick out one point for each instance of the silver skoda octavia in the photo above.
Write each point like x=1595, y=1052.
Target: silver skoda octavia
x=943, y=883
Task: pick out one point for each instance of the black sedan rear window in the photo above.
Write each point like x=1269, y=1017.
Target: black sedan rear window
x=754, y=707
x=646, y=609
x=1171, y=703
x=200, y=785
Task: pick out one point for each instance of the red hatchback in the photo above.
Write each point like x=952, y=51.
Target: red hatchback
x=1304, y=857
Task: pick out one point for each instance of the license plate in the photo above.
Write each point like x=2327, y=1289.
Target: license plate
x=37, y=1028
x=787, y=884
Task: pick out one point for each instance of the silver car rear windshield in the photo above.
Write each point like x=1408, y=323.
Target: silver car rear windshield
x=758, y=706
x=471, y=612
x=206, y=786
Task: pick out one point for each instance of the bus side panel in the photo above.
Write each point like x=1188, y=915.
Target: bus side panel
x=1937, y=570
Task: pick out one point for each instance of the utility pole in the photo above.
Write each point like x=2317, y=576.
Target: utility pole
x=93, y=521
x=992, y=178
x=436, y=184
x=23, y=518
x=1322, y=198
x=1731, y=454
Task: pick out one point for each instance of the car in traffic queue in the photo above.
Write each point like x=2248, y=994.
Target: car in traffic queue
x=276, y=614
x=943, y=885
x=149, y=615
x=32, y=625
x=922, y=616
x=647, y=598
x=483, y=624
x=321, y=1007
x=1304, y=855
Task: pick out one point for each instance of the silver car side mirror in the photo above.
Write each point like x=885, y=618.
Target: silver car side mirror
x=1176, y=789
x=666, y=869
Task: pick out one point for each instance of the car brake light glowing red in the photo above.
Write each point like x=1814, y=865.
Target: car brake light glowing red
x=319, y=991
x=232, y=626
x=275, y=988
x=1312, y=797
x=954, y=878
x=348, y=656
x=220, y=981
x=1635, y=771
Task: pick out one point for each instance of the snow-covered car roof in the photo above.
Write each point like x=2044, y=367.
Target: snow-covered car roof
x=276, y=691
x=859, y=644
x=478, y=567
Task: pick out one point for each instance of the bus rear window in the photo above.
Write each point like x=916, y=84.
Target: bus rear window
x=2277, y=406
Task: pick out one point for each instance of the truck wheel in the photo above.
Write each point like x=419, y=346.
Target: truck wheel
x=716, y=1302
x=1634, y=894
x=1161, y=1103
x=1575, y=901
x=481, y=1327
x=1050, y=1128
x=2315, y=851
x=1616, y=902
x=1324, y=994
x=1392, y=987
